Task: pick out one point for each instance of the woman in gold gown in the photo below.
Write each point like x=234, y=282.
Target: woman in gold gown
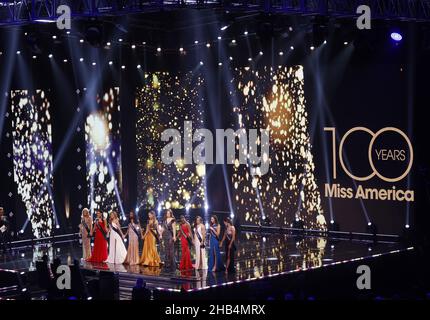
x=150, y=238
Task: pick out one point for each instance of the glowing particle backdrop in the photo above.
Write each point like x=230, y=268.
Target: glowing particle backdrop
x=273, y=98
x=166, y=101
x=32, y=157
x=103, y=154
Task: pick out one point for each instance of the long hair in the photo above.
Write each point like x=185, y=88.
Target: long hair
x=215, y=218
x=133, y=219
x=171, y=214
x=197, y=219
x=228, y=220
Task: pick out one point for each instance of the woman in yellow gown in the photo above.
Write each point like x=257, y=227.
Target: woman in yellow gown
x=150, y=238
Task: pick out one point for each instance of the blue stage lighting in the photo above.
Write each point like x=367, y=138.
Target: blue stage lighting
x=396, y=36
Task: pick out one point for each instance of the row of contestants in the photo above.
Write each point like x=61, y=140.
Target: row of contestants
x=167, y=232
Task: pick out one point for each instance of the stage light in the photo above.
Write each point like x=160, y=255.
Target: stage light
x=290, y=28
x=187, y=207
x=122, y=67
x=249, y=59
x=245, y=33
x=220, y=64
x=81, y=41
x=110, y=63
x=18, y=52
x=108, y=44
x=332, y=221
x=325, y=42
x=206, y=207
x=281, y=53
x=139, y=66
x=81, y=59
x=144, y=43
x=34, y=57
x=181, y=49
x=68, y=32
x=158, y=49
x=54, y=37
x=94, y=63
x=50, y=56
x=369, y=223
x=231, y=58
x=232, y=215
x=201, y=63
x=396, y=36
x=196, y=42
x=65, y=60
x=292, y=47
x=133, y=46
x=219, y=38
x=208, y=45
x=120, y=40
x=260, y=53
x=233, y=41
x=57, y=226
x=224, y=28
x=407, y=226
x=312, y=48
x=21, y=231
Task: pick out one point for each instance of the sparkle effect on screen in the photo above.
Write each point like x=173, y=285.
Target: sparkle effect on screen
x=103, y=155
x=32, y=157
x=273, y=98
x=166, y=101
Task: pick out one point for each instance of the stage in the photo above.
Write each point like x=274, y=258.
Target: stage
x=260, y=256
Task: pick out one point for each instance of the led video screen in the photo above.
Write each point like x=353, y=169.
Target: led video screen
x=166, y=101
x=273, y=98
x=103, y=153
x=32, y=158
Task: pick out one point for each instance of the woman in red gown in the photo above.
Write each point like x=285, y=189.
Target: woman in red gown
x=186, y=239
x=100, y=249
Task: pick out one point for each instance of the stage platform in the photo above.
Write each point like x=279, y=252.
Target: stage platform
x=259, y=256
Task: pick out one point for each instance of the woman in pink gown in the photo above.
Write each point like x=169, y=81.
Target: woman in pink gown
x=133, y=233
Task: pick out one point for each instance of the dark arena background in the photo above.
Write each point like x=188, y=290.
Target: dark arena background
x=345, y=180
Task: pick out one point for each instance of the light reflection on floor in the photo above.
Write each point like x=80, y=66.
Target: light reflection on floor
x=257, y=256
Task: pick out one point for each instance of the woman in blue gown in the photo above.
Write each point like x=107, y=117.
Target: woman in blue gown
x=215, y=262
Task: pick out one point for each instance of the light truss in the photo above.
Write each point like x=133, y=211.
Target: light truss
x=28, y=11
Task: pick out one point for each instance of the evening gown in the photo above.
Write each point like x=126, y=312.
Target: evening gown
x=185, y=263
x=133, y=244
x=150, y=255
x=85, y=228
x=201, y=261
x=100, y=249
x=169, y=245
x=117, y=250
x=214, y=252
x=229, y=253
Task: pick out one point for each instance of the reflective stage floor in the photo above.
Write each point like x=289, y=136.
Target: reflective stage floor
x=258, y=256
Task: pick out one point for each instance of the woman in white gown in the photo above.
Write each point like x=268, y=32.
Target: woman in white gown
x=117, y=250
x=199, y=244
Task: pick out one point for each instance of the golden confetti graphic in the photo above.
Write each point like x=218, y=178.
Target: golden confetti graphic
x=32, y=157
x=273, y=99
x=164, y=102
x=103, y=154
